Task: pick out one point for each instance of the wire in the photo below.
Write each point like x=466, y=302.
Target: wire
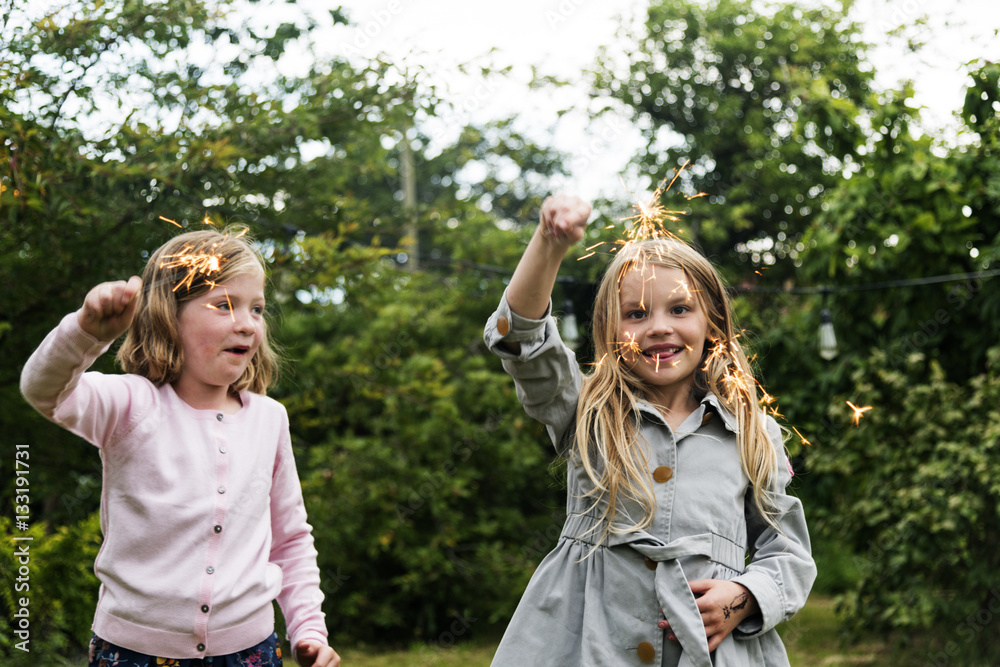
x=908, y=282
x=819, y=289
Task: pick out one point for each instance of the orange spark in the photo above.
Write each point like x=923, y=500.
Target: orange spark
x=802, y=437
x=682, y=285
x=858, y=412
x=172, y=222
x=196, y=262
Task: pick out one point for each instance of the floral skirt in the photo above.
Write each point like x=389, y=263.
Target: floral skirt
x=105, y=654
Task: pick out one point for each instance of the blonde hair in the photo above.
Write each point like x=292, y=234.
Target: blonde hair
x=152, y=347
x=606, y=438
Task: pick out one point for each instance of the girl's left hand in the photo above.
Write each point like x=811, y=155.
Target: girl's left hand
x=309, y=653
x=723, y=605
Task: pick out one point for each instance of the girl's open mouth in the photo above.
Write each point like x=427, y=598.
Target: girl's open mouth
x=663, y=353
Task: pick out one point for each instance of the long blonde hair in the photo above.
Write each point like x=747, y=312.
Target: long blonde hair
x=152, y=347
x=607, y=434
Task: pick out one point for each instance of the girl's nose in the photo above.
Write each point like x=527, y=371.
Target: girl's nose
x=243, y=321
x=659, y=323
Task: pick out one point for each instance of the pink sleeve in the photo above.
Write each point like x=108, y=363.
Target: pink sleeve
x=94, y=406
x=293, y=551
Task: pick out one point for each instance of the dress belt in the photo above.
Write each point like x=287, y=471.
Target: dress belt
x=672, y=589
x=675, y=594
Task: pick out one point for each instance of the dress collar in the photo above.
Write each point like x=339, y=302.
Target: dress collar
x=710, y=402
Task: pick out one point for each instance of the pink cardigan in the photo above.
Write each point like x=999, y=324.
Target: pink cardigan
x=202, y=513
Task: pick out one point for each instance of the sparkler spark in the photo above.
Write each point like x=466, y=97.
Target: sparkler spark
x=197, y=262
x=802, y=437
x=858, y=412
x=648, y=221
x=172, y=222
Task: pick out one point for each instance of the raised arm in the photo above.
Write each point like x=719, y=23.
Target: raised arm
x=54, y=379
x=562, y=224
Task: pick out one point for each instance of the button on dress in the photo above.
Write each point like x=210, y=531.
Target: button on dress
x=593, y=602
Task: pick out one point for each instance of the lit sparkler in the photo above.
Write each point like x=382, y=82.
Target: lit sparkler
x=649, y=217
x=198, y=262
x=858, y=412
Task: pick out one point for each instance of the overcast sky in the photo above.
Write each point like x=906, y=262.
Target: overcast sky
x=562, y=37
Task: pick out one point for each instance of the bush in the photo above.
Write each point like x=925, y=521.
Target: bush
x=60, y=588
x=919, y=501
x=428, y=487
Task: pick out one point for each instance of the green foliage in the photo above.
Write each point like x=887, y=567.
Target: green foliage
x=422, y=473
x=918, y=498
x=59, y=586
x=766, y=104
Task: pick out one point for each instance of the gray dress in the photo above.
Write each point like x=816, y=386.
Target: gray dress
x=588, y=605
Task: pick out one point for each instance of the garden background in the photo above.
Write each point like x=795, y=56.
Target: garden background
x=391, y=218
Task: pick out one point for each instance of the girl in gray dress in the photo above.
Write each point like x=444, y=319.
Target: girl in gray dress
x=680, y=545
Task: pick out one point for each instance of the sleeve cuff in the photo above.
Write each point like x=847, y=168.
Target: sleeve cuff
x=770, y=600
x=505, y=325
x=79, y=341
x=306, y=635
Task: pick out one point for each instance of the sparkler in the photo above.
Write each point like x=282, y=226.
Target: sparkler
x=858, y=412
x=199, y=262
x=648, y=221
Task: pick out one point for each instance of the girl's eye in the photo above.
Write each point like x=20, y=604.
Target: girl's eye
x=258, y=310
x=635, y=314
x=680, y=310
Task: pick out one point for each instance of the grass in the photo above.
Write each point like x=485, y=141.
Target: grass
x=811, y=638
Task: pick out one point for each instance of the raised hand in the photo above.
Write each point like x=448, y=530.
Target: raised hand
x=562, y=224
x=564, y=218
x=109, y=308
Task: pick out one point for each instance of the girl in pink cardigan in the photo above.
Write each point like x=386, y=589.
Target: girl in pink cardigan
x=201, y=507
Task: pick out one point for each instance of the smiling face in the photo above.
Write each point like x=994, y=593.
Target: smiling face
x=662, y=331
x=220, y=331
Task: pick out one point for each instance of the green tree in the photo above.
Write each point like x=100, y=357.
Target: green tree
x=767, y=103
x=430, y=483
x=910, y=488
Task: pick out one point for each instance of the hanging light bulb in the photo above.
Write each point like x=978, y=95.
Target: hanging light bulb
x=567, y=328
x=827, y=338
